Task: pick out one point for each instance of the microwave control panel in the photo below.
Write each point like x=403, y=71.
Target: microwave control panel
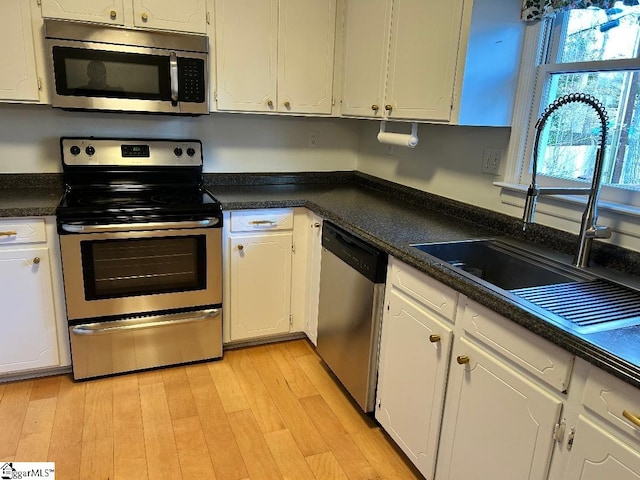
x=191, y=80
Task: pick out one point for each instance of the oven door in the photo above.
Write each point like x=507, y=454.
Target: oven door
x=137, y=272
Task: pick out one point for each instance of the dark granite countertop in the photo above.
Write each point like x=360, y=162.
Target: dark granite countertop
x=392, y=217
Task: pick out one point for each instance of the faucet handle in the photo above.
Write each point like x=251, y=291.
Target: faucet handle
x=598, y=231
x=529, y=206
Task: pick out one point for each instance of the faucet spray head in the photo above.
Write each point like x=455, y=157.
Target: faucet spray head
x=529, y=206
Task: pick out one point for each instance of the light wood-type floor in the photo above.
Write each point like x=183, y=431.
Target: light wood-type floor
x=267, y=412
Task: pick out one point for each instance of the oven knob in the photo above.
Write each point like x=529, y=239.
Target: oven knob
x=90, y=150
x=191, y=152
x=177, y=151
x=75, y=150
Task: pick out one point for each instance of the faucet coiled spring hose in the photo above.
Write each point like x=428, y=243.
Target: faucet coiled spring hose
x=564, y=100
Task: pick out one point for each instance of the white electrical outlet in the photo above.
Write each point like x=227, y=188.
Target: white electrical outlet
x=491, y=159
x=314, y=139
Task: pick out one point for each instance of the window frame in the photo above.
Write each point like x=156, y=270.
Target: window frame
x=548, y=33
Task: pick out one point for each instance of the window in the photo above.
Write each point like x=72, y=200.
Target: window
x=592, y=51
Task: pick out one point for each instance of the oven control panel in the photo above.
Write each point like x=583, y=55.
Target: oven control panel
x=133, y=152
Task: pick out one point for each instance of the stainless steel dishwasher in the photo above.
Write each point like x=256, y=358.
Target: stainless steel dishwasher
x=352, y=276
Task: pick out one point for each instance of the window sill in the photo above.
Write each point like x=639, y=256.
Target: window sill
x=581, y=200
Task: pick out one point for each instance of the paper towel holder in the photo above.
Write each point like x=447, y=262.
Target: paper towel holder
x=399, y=139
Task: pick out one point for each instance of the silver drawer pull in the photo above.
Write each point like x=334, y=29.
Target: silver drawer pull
x=9, y=233
x=631, y=417
x=102, y=328
x=262, y=222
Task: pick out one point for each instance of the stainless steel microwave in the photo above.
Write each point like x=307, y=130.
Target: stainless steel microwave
x=102, y=67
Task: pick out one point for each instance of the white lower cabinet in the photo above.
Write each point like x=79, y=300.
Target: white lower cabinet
x=413, y=370
x=258, y=274
x=414, y=357
x=32, y=337
x=497, y=424
x=314, y=257
x=598, y=455
x=260, y=284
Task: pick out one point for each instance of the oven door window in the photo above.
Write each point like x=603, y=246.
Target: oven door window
x=99, y=73
x=143, y=266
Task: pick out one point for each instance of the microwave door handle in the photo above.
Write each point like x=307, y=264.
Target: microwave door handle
x=173, y=72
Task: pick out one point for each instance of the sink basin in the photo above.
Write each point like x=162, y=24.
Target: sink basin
x=502, y=265
x=560, y=293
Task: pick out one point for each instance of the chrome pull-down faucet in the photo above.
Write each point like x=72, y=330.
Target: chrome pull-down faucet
x=588, y=228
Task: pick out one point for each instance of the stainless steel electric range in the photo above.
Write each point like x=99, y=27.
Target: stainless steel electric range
x=141, y=244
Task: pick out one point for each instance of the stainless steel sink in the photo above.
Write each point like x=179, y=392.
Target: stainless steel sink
x=560, y=293
x=502, y=265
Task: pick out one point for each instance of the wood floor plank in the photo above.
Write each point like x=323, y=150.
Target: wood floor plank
x=47, y=387
x=160, y=444
x=65, y=447
x=129, y=455
x=225, y=455
x=351, y=419
x=198, y=369
x=379, y=451
x=295, y=418
x=192, y=449
x=36, y=430
x=150, y=377
x=13, y=409
x=261, y=404
x=253, y=446
x=346, y=452
x=300, y=348
x=288, y=456
x=179, y=397
x=297, y=380
x=231, y=394
x=2, y=387
x=96, y=460
x=325, y=467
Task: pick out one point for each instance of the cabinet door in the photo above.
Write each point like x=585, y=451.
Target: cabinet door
x=305, y=55
x=260, y=284
x=28, y=322
x=18, y=78
x=422, y=59
x=366, y=46
x=597, y=455
x=184, y=16
x=412, y=376
x=246, y=54
x=103, y=11
x=497, y=424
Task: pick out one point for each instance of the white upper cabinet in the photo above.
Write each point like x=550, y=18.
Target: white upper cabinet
x=366, y=46
x=422, y=59
x=18, y=76
x=184, y=16
x=103, y=11
x=275, y=56
x=400, y=58
x=247, y=54
x=427, y=60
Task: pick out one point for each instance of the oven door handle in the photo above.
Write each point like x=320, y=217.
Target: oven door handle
x=104, y=328
x=127, y=227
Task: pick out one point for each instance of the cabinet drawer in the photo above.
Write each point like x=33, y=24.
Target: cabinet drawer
x=608, y=397
x=539, y=357
x=22, y=231
x=431, y=293
x=259, y=220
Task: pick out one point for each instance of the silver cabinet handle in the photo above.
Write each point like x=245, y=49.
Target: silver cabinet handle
x=262, y=222
x=36, y=260
x=173, y=72
x=103, y=328
x=127, y=227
